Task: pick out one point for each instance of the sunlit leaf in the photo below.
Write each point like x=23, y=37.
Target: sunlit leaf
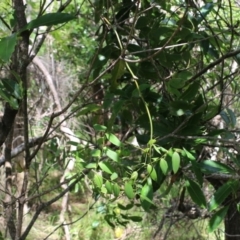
x=99, y=127
x=96, y=153
x=98, y=180
x=146, y=197
x=106, y=167
x=128, y=189
x=175, y=162
x=112, y=155
x=113, y=139
x=116, y=189
x=164, y=166
x=134, y=175
x=91, y=165
x=217, y=218
x=189, y=155
x=108, y=186
x=114, y=176
x=152, y=172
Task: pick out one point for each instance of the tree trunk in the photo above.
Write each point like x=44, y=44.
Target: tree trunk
x=232, y=223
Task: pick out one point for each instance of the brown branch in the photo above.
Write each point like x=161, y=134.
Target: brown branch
x=20, y=148
x=213, y=64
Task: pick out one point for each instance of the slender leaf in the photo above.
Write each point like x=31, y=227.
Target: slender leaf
x=222, y=193
x=7, y=46
x=195, y=193
x=209, y=166
x=217, y=218
x=189, y=155
x=99, y=127
x=135, y=218
x=117, y=72
x=127, y=207
x=49, y=19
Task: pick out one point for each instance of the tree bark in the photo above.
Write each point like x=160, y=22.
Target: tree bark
x=232, y=221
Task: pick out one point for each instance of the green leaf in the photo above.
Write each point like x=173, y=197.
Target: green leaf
x=109, y=187
x=7, y=46
x=217, y=218
x=195, y=193
x=152, y=172
x=128, y=189
x=209, y=166
x=136, y=93
x=11, y=87
x=212, y=111
x=49, y=19
x=175, y=162
x=117, y=72
x=146, y=197
x=189, y=155
x=113, y=139
x=179, y=79
x=106, y=167
x=191, y=92
x=96, y=153
x=222, y=193
x=197, y=171
x=88, y=109
x=116, y=190
x=164, y=166
x=112, y=155
x=8, y=98
x=99, y=127
x=134, y=175
x=91, y=165
x=114, y=176
x=98, y=180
